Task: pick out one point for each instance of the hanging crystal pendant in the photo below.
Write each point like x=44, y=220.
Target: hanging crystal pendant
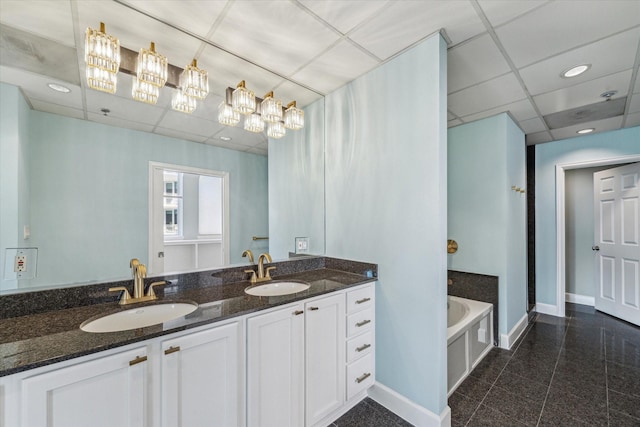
x=194, y=81
x=254, y=123
x=183, y=102
x=102, y=58
x=243, y=100
x=276, y=130
x=152, y=67
x=293, y=117
x=271, y=109
x=226, y=115
x=144, y=92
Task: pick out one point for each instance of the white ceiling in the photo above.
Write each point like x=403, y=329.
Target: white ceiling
x=504, y=55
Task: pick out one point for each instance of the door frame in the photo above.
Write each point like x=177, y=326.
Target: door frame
x=560, y=219
x=197, y=171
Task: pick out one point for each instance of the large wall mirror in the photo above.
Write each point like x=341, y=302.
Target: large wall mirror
x=75, y=166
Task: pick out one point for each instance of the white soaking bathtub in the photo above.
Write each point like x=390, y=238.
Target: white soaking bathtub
x=469, y=337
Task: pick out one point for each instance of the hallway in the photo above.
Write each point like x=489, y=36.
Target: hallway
x=581, y=370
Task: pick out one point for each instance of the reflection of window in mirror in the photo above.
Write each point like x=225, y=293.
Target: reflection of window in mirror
x=188, y=214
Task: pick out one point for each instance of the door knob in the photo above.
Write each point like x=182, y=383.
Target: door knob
x=595, y=248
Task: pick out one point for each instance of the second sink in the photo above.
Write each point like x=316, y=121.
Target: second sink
x=277, y=288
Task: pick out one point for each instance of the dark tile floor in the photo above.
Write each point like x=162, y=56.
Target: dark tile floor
x=581, y=370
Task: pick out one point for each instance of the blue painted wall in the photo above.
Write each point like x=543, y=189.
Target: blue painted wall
x=486, y=217
x=386, y=203
x=600, y=146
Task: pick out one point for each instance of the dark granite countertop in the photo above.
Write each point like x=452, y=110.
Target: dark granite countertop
x=43, y=338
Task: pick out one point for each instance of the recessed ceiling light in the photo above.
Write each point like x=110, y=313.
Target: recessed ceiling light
x=588, y=130
x=59, y=88
x=575, y=71
x=225, y=138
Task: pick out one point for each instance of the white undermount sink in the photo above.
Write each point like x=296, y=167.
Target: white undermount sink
x=277, y=288
x=139, y=317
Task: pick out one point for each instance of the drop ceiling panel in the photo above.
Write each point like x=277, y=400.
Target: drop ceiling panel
x=278, y=35
x=183, y=13
x=344, y=15
x=189, y=124
x=474, y=62
x=119, y=122
x=583, y=94
x=454, y=122
x=126, y=109
x=538, y=138
x=636, y=88
x=634, y=106
x=532, y=125
x=607, y=56
x=288, y=91
x=136, y=31
x=258, y=151
x=500, y=11
x=557, y=27
x=520, y=110
x=491, y=94
x=600, y=125
x=173, y=133
x=49, y=19
x=239, y=136
x=57, y=109
x=125, y=84
x=633, y=120
x=404, y=23
x=338, y=66
x=208, y=109
x=226, y=70
x=35, y=86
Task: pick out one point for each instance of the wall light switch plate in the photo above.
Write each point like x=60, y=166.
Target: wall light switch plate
x=302, y=245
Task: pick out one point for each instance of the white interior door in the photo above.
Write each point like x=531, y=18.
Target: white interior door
x=616, y=237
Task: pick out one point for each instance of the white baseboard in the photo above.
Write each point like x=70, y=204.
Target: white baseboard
x=580, y=299
x=405, y=408
x=549, y=309
x=507, y=340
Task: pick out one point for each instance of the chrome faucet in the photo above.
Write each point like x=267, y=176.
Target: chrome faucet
x=139, y=272
x=263, y=274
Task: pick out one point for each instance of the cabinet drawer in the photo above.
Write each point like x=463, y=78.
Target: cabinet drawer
x=359, y=375
x=359, y=346
x=359, y=322
x=360, y=299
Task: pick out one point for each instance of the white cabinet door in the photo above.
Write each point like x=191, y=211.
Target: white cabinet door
x=324, y=355
x=109, y=391
x=275, y=374
x=200, y=379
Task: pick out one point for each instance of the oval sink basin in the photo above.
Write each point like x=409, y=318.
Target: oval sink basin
x=273, y=289
x=139, y=317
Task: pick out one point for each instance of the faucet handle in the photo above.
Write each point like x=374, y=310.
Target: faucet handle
x=151, y=292
x=253, y=279
x=268, y=273
x=126, y=296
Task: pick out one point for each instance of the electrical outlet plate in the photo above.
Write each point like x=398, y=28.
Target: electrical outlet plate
x=15, y=269
x=302, y=245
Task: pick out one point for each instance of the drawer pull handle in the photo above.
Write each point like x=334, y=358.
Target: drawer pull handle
x=364, y=322
x=298, y=312
x=313, y=308
x=138, y=359
x=172, y=350
x=363, y=377
x=363, y=347
x=363, y=300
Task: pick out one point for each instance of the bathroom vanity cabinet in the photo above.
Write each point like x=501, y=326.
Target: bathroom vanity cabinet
x=295, y=358
x=299, y=364
x=189, y=379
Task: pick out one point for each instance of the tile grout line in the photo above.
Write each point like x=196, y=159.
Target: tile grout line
x=521, y=339
x=554, y=371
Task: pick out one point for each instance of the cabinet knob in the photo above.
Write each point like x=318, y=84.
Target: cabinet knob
x=298, y=312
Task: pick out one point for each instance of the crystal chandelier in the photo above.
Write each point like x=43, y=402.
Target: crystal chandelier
x=293, y=117
x=152, y=67
x=183, y=102
x=243, y=100
x=144, y=92
x=102, y=58
x=226, y=115
x=194, y=82
x=271, y=109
